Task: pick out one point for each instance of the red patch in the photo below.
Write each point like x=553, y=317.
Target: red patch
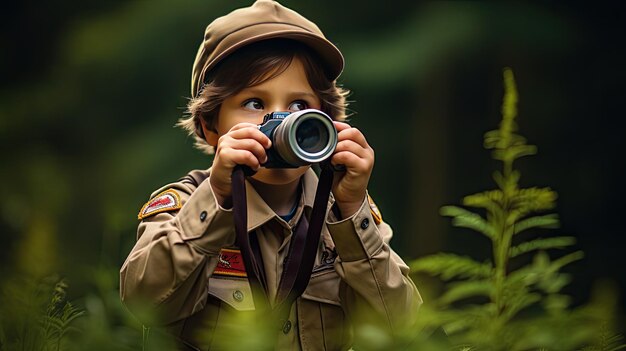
x=165, y=201
x=230, y=263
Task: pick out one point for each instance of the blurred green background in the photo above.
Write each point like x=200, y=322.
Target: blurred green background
x=90, y=93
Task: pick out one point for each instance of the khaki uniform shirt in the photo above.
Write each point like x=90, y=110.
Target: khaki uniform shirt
x=356, y=277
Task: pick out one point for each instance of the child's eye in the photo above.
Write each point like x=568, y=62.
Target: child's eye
x=253, y=104
x=298, y=106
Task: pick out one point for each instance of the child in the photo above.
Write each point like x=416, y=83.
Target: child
x=185, y=264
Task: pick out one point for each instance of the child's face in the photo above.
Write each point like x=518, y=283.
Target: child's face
x=289, y=91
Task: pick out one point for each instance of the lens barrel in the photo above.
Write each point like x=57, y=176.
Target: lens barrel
x=305, y=137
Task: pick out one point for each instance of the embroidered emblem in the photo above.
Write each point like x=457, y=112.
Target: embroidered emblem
x=230, y=263
x=326, y=261
x=168, y=200
x=374, y=210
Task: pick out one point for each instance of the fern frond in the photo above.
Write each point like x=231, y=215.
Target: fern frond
x=473, y=316
x=558, y=242
x=496, y=139
x=509, y=183
x=514, y=152
x=464, y=218
x=553, y=283
x=518, y=302
x=548, y=221
x=556, y=302
x=565, y=260
x=492, y=201
x=534, y=199
x=462, y=290
x=607, y=341
x=540, y=268
x=449, y=266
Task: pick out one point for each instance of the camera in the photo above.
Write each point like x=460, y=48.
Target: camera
x=298, y=138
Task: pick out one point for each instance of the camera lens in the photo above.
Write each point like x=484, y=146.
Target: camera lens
x=312, y=136
x=305, y=137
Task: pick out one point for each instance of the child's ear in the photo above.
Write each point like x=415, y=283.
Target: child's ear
x=210, y=135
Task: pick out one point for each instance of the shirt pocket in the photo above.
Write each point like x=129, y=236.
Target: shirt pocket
x=235, y=292
x=221, y=319
x=321, y=318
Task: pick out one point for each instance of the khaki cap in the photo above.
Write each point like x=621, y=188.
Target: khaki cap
x=265, y=19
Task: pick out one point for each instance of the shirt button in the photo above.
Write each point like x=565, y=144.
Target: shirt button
x=202, y=216
x=286, y=327
x=365, y=223
x=238, y=296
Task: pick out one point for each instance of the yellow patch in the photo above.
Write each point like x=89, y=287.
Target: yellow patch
x=378, y=218
x=169, y=200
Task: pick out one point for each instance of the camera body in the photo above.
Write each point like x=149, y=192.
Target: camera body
x=298, y=139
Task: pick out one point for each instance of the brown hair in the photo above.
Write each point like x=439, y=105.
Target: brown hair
x=253, y=65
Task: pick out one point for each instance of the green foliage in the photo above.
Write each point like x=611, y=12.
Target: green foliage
x=59, y=315
x=495, y=305
x=449, y=266
x=36, y=315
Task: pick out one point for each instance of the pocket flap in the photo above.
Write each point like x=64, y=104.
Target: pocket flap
x=324, y=287
x=234, y=291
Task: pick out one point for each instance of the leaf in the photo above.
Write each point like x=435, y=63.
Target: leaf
x=491, y=139
x=466, y=289
x=449, y=266
x=484, y=199
x=517, y=151
x=556, y=302
x=534, y=199
x=541, y=273
x=565, y=260
x=547, y=221
x=518, y=302
x=553, y=283
x=558, y=242
x=467, y=219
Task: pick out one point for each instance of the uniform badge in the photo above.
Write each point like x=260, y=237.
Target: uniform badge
x=230, y=263
x=168, y=200
x=374, y=210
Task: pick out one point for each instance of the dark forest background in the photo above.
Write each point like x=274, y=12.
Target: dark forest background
x=90, y=92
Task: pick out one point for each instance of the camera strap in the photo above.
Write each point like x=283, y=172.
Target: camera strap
x=302, y=249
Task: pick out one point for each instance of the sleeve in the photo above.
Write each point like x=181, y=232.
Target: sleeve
x=378, y=288
x=175, y=254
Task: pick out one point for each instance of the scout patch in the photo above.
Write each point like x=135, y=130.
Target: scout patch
x=168, y=200
x=374, y=210
x=230, y=263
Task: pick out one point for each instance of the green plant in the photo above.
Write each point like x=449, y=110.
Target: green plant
x=35, y=315
x=491, y=305
x=60, y=313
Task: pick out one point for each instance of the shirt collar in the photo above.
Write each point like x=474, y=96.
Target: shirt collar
x=260, y=213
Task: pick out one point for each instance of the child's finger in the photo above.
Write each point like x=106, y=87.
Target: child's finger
x=243, y=125
x=350, y=160
x=240, y=157
x=251, y=145
x=341, y=125
x=352, y=146
x=353, y=134
x=250, y=132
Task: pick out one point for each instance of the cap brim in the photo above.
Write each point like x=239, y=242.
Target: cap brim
x=331, y=56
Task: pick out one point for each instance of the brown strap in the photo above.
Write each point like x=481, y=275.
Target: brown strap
x=240, y=215
x=302, y=250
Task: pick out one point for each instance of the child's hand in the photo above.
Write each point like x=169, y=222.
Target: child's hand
x=244, y=144
x=357, y=156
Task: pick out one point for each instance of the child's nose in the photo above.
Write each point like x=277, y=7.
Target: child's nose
x=278, y=108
